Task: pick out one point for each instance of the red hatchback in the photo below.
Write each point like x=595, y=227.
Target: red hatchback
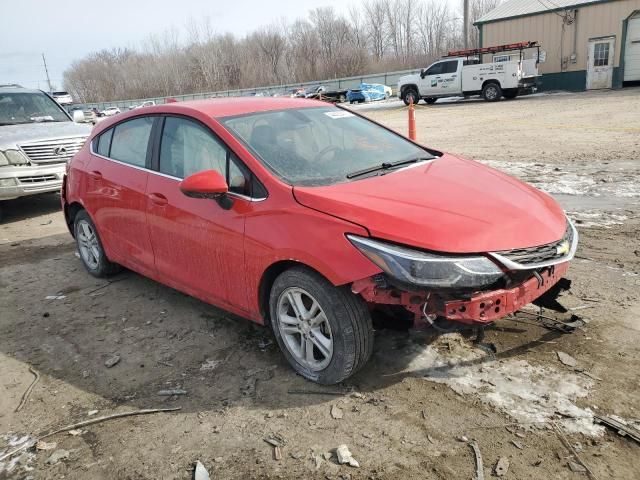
x=306, y=217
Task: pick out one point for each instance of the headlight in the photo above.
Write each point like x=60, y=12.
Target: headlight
x=15, y=157
x=3, y=160
x=428, y=269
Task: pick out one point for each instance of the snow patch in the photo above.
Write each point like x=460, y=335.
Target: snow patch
x=528, y=393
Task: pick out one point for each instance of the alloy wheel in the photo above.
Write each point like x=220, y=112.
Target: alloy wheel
x=88, y=244
x=305, y=329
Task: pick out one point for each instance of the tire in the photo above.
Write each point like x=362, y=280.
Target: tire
x=343, y=322
x=430, y=101
x=491, y=92
x=90, y=247
x=510, y=94
x=342, y=99
x=410, y=93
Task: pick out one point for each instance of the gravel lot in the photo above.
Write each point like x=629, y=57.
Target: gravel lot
x=403, y=416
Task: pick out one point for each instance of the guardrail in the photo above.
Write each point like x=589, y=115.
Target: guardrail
x=387, y=78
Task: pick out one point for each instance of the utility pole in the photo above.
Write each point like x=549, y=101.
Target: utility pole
x=47, y=71
x=465, y=20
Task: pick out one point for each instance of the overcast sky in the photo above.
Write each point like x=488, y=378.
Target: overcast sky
x=66, y=30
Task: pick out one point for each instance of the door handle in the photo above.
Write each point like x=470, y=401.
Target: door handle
x=158, y=199
x=95, y=175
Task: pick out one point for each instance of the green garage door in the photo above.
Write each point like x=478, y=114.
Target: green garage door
x=632, y=51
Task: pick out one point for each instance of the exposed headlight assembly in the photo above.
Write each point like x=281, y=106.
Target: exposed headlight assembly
x=428, y=269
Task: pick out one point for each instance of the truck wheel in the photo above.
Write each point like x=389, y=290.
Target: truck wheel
x=410, y=95
x=430, y=101
x=324, y=331
x=509, y=94
x=491, y=92
x=342, y=99
x=90, y=247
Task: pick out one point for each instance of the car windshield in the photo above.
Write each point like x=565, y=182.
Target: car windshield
x=29, y=107
x=320, y=146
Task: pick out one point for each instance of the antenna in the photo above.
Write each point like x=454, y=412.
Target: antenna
x=44, y=61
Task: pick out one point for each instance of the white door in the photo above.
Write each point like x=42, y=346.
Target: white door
x=429, y=83
x=600, y=63
x=632, y=51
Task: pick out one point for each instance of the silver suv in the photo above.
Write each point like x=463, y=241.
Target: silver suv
x=37, y=137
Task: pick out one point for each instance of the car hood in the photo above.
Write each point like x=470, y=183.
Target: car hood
x=12, y=135
x=449, y=205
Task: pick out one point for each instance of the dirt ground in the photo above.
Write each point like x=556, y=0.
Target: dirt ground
x=410, y=412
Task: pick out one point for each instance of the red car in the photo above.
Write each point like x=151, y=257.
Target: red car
x=307, y=217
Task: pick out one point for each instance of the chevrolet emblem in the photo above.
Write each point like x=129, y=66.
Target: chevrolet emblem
x=563, y=248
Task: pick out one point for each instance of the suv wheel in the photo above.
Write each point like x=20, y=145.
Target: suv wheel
x=410, y=94
x=324, y=331
x=90, y=247
x=491, y=92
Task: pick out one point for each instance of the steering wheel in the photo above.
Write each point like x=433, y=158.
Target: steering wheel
x=324, y=151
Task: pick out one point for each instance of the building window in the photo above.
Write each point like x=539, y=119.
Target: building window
x=502, y=58
x=601, y=54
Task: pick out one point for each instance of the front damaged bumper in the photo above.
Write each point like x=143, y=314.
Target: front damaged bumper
x=476, y=308
x=489, y=306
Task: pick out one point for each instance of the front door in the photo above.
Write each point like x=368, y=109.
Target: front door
x=429, y=82
x=600, y=63
x=198, y=245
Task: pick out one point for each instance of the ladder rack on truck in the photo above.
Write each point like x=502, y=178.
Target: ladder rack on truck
x=509, y=47
x=462, y=73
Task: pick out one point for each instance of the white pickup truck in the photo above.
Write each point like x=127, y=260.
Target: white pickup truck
x=457, y=77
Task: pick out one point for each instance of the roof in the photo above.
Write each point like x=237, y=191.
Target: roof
x=216, y=108
x=12, y=88
x=521, y=8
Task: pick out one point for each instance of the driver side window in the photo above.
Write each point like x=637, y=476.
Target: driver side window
x=435, y=69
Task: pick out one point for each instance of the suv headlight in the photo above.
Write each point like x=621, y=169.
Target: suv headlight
x=16, y=157
x=428, y=269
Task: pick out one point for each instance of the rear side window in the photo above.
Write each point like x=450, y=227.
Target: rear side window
x=450, y=67
x=130, y=141
x=104, y=143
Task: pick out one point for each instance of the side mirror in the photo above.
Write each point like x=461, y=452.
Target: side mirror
x=205, y=184
x=78, y=116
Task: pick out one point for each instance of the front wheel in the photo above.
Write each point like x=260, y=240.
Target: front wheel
x=410, y=95
x=324, y=331
x=491, y=92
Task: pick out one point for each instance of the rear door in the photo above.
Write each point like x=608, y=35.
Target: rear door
x=198, y=243
x=116, y=193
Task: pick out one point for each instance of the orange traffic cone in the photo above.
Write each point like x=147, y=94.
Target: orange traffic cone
x=412, y=121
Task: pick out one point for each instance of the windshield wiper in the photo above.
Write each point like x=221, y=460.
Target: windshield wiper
x=386, y=166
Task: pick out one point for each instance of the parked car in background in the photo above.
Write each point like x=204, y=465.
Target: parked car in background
x=37, y=138
x=63, y=98
x=306, y=217
x=148, y=103
x=369, y=92
x=110, y=111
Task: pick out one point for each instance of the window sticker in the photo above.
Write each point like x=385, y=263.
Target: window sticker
x=341, y=114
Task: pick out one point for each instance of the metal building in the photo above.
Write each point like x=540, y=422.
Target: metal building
x=586, y=44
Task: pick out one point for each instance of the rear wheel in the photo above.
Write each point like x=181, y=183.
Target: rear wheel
x=324, y=331
x=90, y=247
x=491, y=92
x=410, y=95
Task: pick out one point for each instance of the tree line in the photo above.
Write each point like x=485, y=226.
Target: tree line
x=374, y=36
